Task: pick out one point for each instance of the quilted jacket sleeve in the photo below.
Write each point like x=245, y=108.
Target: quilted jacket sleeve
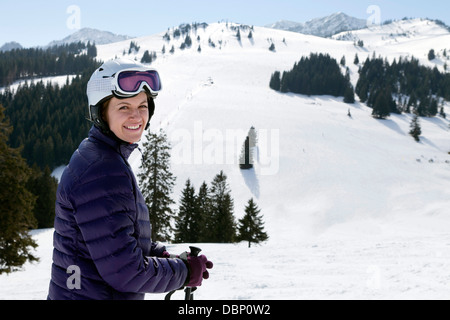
x=105, y=212
x=157, y=249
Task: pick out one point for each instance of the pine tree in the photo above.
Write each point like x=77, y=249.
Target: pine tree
x=431, y=55
x=187, y=225
x=442, y=113
x=156, y=183
x=415, y=131
x=381, y=108
x=146, y=58
x=204, y=208
x=188, y=41
x=272, y=47
x=43, y=186
x=349, y=96
x=275, y=81
x=251, y=226
x=238, y=35
x=223, y=223
x=16, y=203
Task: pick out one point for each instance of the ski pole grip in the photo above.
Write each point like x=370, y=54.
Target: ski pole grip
x=195, y=251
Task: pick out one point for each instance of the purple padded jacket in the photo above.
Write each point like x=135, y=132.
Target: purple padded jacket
x=102, y=230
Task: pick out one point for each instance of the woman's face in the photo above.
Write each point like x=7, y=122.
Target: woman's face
x=127, y=118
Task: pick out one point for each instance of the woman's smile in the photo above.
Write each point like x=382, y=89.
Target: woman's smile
x=127, y=117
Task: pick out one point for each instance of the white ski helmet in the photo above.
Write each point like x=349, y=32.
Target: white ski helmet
x=120, y=78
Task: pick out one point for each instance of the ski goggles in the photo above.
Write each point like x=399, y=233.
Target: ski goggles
x=132, y=82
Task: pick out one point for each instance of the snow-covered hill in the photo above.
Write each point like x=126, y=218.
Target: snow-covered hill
x=405, y=38
x=354, y=207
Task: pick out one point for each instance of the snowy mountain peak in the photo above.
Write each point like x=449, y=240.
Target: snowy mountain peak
x=93, y=35
x=10, y=46
x=323, y=27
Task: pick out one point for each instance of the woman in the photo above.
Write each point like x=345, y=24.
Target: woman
x=102, y=244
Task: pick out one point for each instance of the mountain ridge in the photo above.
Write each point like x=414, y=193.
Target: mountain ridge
x=323, y=27
x=10, y=46
x=96, y=36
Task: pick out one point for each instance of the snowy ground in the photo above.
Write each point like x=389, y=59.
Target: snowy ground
x=60, y=81
x=354, y=207
x=407, y=265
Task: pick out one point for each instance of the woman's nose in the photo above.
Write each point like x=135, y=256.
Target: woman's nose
x=135, y=113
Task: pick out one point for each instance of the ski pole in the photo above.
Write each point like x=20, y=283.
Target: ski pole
x=188, y=290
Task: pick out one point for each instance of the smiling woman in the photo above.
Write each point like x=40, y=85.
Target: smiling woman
x=127, y=118
x=102, y=224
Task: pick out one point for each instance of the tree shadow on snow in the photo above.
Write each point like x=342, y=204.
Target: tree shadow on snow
x=391, y=125
x=251, y=180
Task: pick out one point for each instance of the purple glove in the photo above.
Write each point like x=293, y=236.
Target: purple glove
x=197, y=268
x=165, y=255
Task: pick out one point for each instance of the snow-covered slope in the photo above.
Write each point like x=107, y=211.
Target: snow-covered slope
x=354, y=207
x=407, y=38
x=59, y=80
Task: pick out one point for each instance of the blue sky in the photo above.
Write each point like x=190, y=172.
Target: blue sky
x=36, y=22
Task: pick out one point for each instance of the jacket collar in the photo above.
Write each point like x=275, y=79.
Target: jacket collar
x=122, y=147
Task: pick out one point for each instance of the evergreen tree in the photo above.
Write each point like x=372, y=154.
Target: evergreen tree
x=16, y=203
x=204, y=212
x=433, y=109
x=415, y=131
x=317, y=74
x=187, y=225
x=222, y=211
x=43, y=186
x=188, y=41
x=238, y=35
x=349, y=96
x=91, y=50
x=442, y=113
x=146, y=58
x=272, y=47
x=54, y=124
x=156, y=183
x=407, y=78
x=251, y=226
x=134, y=48
x=431, y=55
x=275, y=81
x=381, y=108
